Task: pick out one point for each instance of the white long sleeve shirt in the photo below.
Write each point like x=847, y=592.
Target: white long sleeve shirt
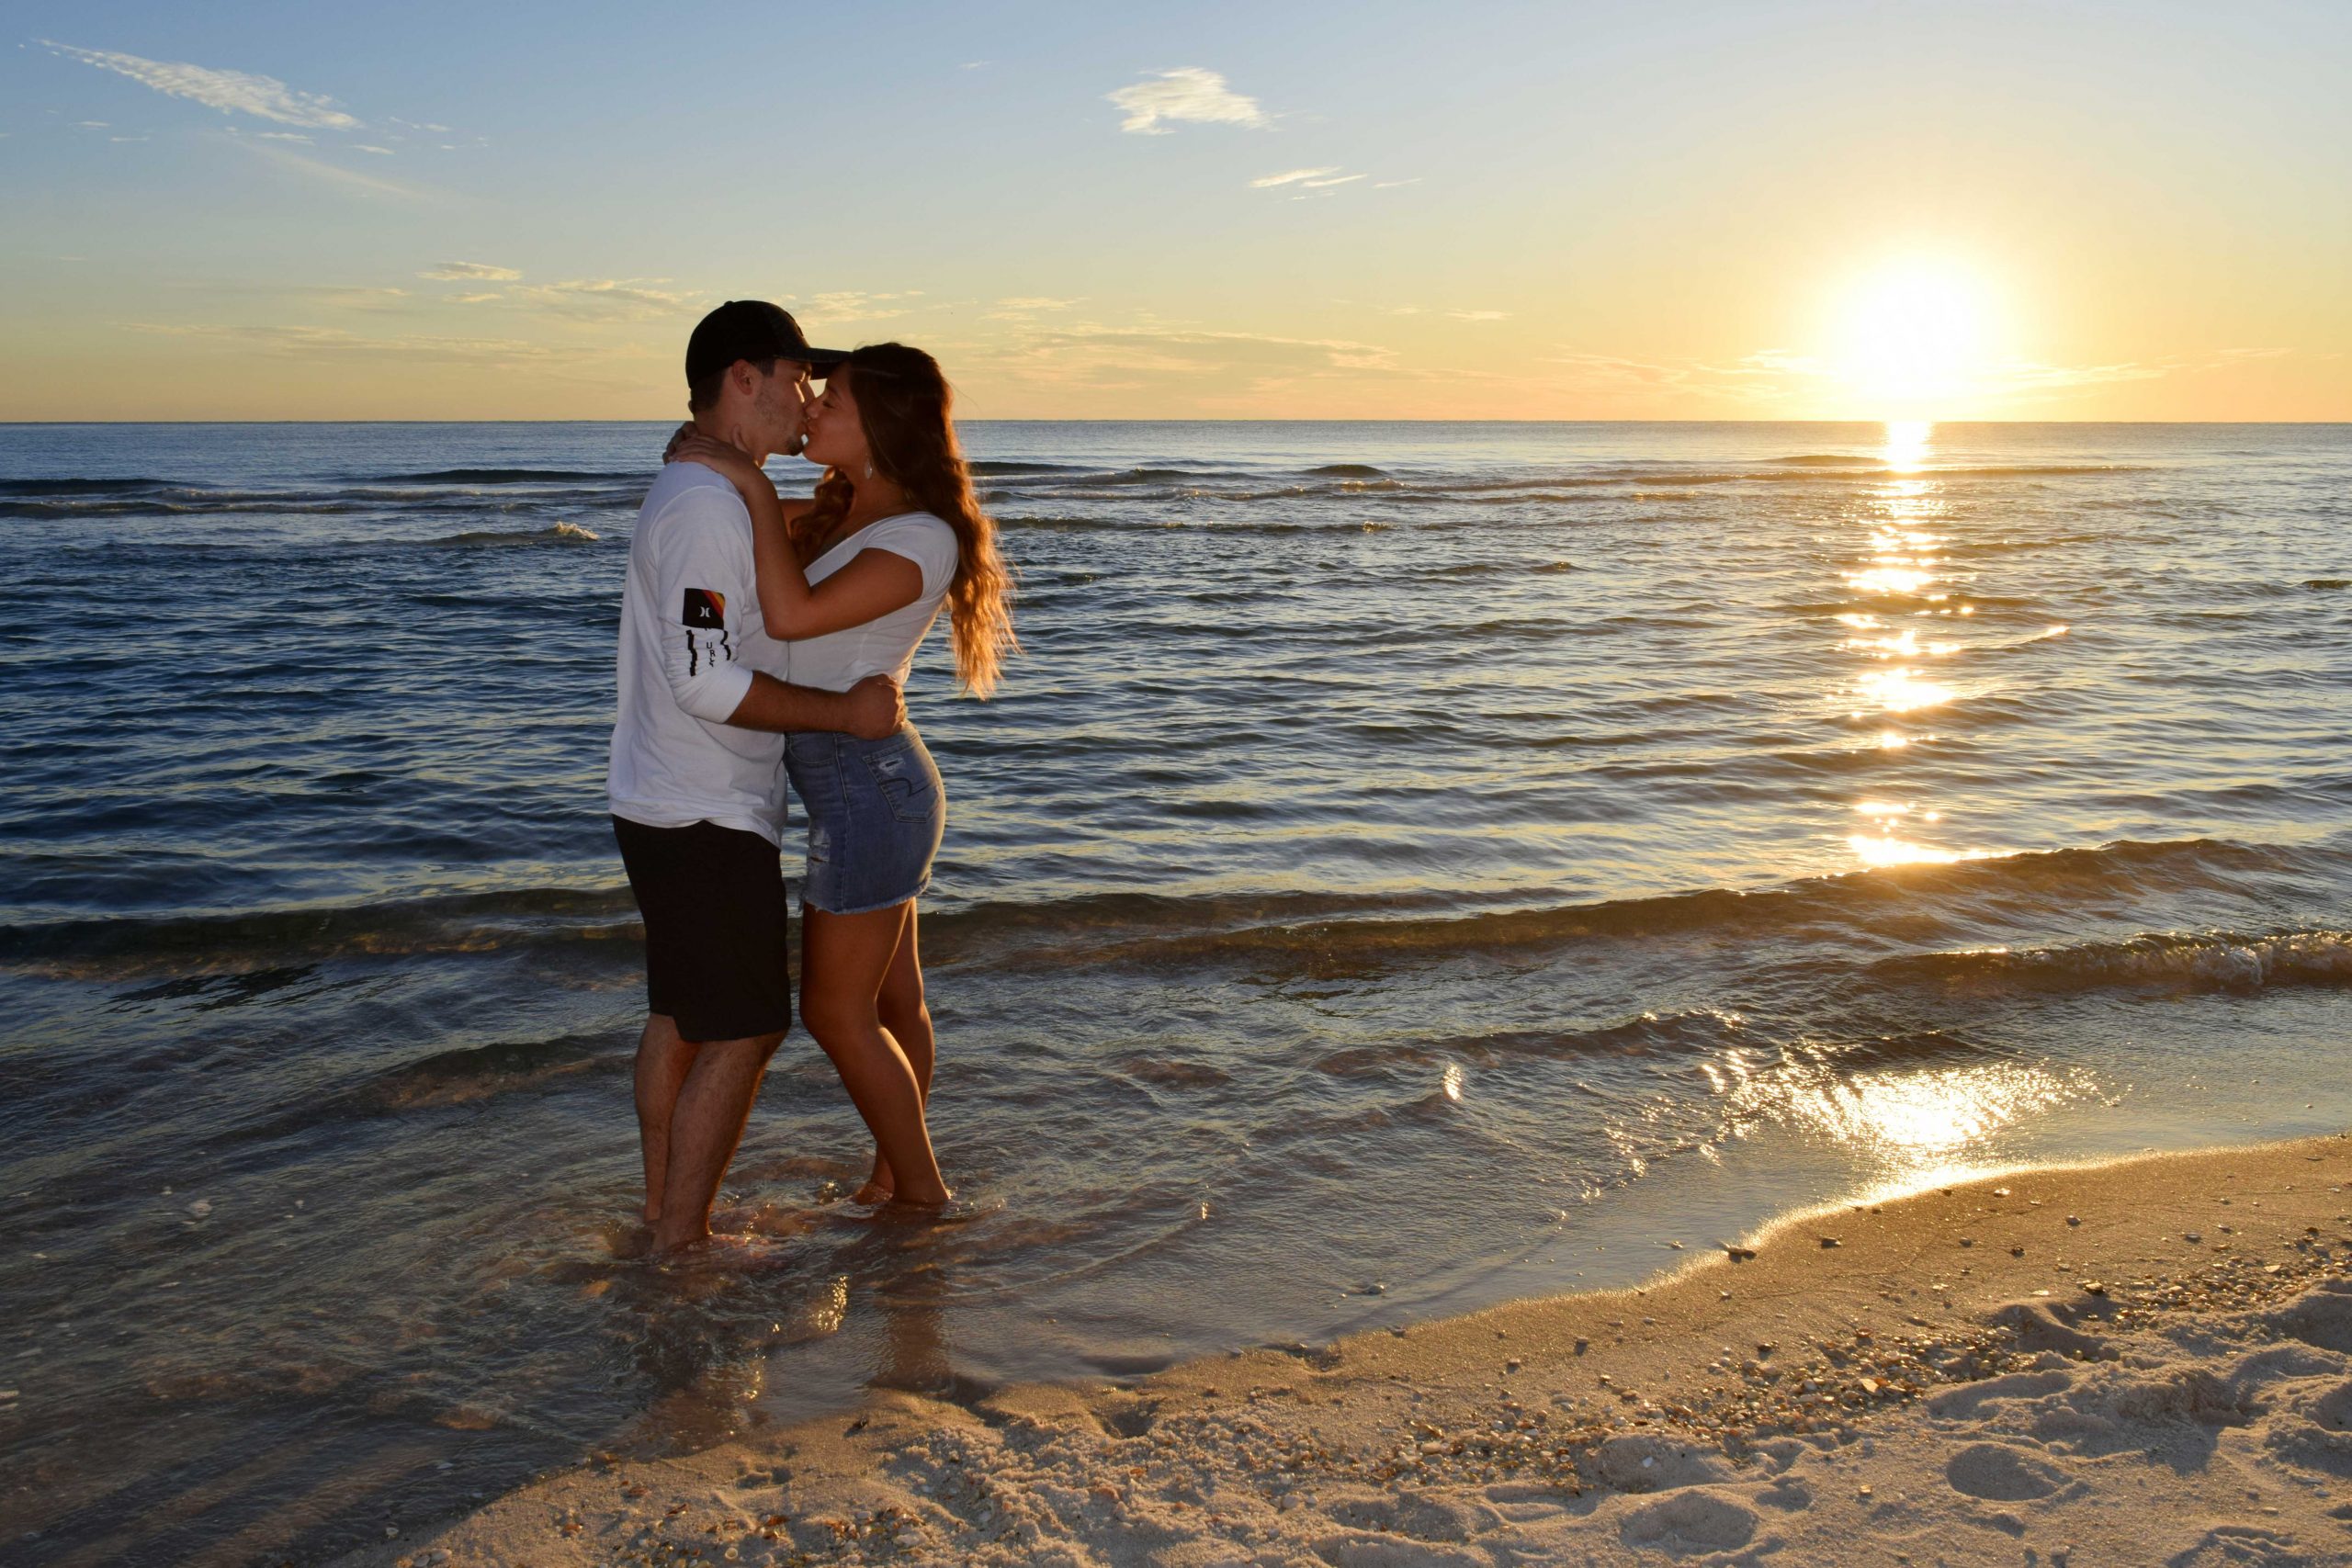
x=691, y=637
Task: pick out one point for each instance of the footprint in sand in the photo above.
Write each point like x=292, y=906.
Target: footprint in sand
x=1643, y=1462
x=1385, y=1552
x=2001, y=1474
x=1691, y=1521
x=2231, y=1544
x=1421, y=1518
x=2333, y=1410
x=2324, y=1443
x=2321, y=1317
x=2193, y=1394
x=2057, y=1325
x=1968, y=1401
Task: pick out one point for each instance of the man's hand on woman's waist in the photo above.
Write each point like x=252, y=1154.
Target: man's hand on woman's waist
x=871, y=710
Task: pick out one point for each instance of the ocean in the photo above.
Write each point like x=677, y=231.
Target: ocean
x=1411, y=866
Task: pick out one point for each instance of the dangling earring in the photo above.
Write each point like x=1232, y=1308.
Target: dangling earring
x=869, y=470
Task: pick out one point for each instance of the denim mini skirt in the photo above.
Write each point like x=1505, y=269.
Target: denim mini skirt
x=876, y=813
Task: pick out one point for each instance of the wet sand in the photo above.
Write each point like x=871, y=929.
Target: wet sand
x=2147, y=1361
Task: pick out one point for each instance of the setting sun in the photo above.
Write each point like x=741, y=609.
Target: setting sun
x=1914, y=337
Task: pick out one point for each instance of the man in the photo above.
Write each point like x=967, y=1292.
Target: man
x=696, y=781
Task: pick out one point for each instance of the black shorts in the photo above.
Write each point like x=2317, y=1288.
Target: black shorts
x=716, y=950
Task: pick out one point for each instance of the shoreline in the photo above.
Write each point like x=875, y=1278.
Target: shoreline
x=2042, y=1359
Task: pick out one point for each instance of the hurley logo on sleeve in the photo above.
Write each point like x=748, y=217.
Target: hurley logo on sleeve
x=705, y=610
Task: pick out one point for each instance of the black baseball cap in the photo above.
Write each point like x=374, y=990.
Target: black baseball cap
x=756, y=331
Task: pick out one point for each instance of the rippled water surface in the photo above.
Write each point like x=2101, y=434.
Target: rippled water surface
x=1411, y=865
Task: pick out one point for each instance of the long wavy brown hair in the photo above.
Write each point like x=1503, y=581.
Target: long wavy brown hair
x=906, y=411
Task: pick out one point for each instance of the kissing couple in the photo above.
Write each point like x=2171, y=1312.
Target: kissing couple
x=764, y=639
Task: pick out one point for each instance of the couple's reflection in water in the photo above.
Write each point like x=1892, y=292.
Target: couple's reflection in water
x=742, y=1340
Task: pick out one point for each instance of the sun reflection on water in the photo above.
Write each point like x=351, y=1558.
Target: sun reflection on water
x=1906, y=1120
x=1899, y=558
x=1903, y=579
x=1906, y=443
x=1900, y=691
x=1932, y=1111
x=1883, y=848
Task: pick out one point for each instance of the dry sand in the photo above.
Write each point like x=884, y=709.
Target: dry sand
x=2141, y=1363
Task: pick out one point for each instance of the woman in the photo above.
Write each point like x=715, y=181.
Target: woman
x=853, y=579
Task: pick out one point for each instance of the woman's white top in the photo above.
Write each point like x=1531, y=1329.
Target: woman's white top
x=884, y=645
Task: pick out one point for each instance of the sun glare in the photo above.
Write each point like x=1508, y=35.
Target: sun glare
x=1914, y=338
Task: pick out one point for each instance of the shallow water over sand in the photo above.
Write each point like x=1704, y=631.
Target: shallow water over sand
x=1412, y=866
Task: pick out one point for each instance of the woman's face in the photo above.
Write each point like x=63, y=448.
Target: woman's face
x=836, y=439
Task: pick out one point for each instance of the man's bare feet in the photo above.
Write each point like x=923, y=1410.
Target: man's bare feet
x=674, y=1240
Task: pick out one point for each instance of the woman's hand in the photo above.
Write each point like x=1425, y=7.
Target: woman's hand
x=733, y=462
x=670, y=453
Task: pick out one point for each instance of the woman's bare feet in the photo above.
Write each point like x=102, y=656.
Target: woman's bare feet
x=880, y=1186
x=939, y=1197
x=874, y=1194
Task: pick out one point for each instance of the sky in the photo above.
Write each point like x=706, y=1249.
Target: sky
x=1669, y=209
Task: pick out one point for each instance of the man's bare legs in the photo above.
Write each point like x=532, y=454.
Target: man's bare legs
x=844, y=960
x=902, y=1011
x=692, y=1100
x=663, y=1060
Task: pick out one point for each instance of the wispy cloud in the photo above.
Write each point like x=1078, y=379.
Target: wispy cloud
x=1092, y=356
x=282, y=136
x=338, y=344
x=607, y=298
x=1026, y=308
x=853, y=305
x=1459, y=315
x=470, y=272
x=1290, y=176
x=594, y=299
x=347, y=298
x=379, y=151
x=230, y=92
x=1187, y=95
x=1302, y=181
x=335, y=173
x=1392, y=184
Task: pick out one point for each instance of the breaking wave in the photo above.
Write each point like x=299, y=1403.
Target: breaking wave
x=562, y=534
x=504, y=477
x=2159, y=960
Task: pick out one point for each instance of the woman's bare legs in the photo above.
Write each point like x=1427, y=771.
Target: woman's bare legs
x=900, y=1007
x=844, y=960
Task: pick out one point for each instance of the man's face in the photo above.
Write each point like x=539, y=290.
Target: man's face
x=781, y=404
